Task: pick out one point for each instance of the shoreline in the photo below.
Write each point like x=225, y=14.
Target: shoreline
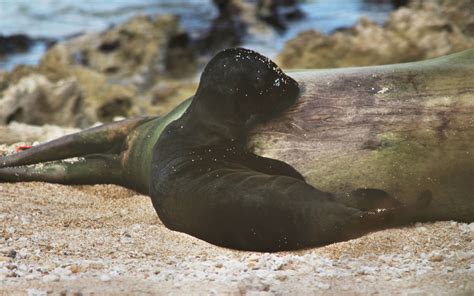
x=324, y=16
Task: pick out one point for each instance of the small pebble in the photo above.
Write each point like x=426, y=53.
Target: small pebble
x=25, y=220
x=105, y=278
x=31, y=276
x=50, y=278
x=436, y=258
x=322, y=286
x=36, y=292
x=281, y=277
x=96, y=265
x=471, y=226
x=74, y=268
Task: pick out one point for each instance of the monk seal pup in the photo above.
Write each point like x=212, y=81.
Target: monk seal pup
x=205, y=182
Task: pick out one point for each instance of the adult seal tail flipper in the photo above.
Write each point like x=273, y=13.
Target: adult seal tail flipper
x=102, y=139
x=91, y=156
x=91, y=169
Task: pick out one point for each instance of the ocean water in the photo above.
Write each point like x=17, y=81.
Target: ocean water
x=58, y=19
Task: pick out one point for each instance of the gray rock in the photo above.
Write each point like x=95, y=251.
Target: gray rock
x=51, y=278
x=35, y=100
x=410, y=34
x=97, y=77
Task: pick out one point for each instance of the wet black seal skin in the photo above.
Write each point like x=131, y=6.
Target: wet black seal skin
x=206, y=183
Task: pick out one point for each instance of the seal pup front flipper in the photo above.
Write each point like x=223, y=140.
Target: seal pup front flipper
x=368, y=199
x=237, y=208
x=383, y=218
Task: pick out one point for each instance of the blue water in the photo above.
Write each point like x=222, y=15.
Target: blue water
x=58, y=19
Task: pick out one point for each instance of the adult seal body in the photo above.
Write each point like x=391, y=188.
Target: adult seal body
x=206, y=183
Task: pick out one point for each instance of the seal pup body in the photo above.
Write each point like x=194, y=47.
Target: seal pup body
x=206, y=183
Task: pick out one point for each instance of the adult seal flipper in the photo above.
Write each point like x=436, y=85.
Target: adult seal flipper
x=115, y=153
x=92, y=169
x=206, y=183
x=102, y=139
x=93, y=156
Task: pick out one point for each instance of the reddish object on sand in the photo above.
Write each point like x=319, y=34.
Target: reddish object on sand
x=23, y=147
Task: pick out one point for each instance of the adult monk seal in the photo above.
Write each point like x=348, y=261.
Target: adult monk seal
x=202, y=179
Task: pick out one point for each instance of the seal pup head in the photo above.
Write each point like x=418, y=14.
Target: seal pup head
x=239, y=86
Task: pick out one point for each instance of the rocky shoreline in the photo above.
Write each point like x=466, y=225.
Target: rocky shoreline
x=424, y=29
x=143, y=66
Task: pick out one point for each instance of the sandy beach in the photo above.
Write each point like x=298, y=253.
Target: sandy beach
x=107, y=240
